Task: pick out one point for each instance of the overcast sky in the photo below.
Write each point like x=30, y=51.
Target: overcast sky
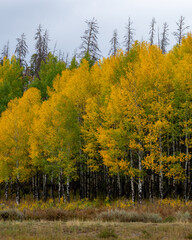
x=65, y=20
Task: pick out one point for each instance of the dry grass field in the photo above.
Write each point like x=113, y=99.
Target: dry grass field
x=86, y=220
x=93, y=230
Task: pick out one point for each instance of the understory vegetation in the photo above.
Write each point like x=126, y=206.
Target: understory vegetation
x=167, y=210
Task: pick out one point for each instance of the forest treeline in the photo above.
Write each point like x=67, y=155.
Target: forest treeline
x=116, y=127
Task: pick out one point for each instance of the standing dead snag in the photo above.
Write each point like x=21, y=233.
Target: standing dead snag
x=180, y=33
x=89, y=40
x=128, y=37
x=152, y=31
x=114, y=43
x=164, y=40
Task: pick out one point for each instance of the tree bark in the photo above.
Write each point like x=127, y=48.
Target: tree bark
x=6, y=190
x=37, y=190
x=161, y=172
x=119, y=185
x=186, y=162
x=140, y=180
x=52, y=189
x=44, y=187
x=68, y=189
x=132, y=181
x=17, y=191
x=173, y=180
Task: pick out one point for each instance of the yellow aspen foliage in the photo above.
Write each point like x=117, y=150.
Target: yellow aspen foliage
x=15, y=129
x=54, y=142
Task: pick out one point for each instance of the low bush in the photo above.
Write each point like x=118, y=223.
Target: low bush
x=132, y=216
x=107, y=232
x=11, y=215
x=189, y=236
x=152, y=217
x=182, y=216
x=53, y=214
x=119, y=215
x=169, y=219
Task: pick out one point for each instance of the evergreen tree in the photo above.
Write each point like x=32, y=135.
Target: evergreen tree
x=74, y=63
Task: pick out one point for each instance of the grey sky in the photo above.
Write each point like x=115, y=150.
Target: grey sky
x=65, y=20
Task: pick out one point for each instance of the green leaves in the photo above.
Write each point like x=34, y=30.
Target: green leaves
x=11, y=83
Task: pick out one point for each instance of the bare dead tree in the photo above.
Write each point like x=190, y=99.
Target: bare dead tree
x=21, y=49
x=41, y=47
x=45, y=45
x=181, y=28
x=128, y=38
x=90, y=40
x=67, y=59
x=55, y=49
x=114, y=43
x=165, y=39
x=152, y=31
x=5, y=51
x=159, y=41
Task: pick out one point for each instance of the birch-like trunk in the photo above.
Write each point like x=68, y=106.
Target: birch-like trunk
x=186, y=167
x=68, y=189
x=151, y=180
x=37, y=190
x=63, y=189
x=119, y=185
x=6, y=190
x=140, y=180
x=161, y=172
x=82, y=194
x=151, y=187
x=132, y=181
x=95, y=185
x=173, y=183
x=33, y=186
x=44, y=187
x=17, y=190
x=107, y=182
x=59, y=187
x=189, y=180
x=52, y=189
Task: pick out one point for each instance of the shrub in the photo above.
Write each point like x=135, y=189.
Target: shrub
x=119, y=215
x=189, y=236
x=48, y=214
x=124, y=216
x=182, y=216
x=152, y=217
x=2, y=206
x=11, y=214
x=170, y=219
x=107, y=232
x=146, y=234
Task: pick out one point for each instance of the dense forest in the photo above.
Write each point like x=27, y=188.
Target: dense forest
x=113, y=127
